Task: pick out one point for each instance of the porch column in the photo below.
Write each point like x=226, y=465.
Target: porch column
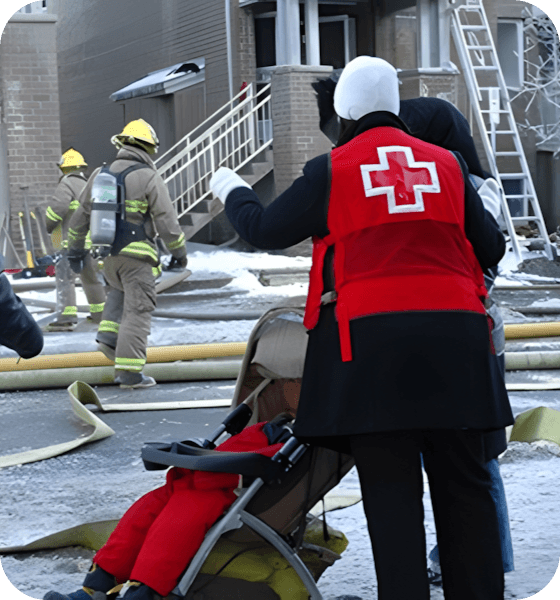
x=433, y=22
x=427, y=23
x=288, y=39
x=312, y=48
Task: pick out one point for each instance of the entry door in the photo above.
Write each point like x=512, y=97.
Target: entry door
x=337, y=40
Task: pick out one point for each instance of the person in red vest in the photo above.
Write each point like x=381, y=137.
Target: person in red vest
x=400, y=362
x=161, y=532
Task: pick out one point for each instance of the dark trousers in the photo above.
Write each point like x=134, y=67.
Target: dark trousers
x=390, y=474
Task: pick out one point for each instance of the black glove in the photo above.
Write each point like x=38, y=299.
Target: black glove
x=76, y=260
x=176, y=264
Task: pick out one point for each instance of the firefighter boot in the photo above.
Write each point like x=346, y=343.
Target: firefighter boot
x=97, y=584
x=131, y=380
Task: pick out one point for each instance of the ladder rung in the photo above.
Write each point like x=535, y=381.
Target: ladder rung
x=512, y=175
x=519, y=196
x=473, y=27
x=504, y=131
x=485, y=68
x=488, y=111
x=507, y=154
x=479, y=47
x=527, y=218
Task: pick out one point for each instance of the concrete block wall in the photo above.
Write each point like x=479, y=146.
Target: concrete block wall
x=30, y=111
x=295, y=116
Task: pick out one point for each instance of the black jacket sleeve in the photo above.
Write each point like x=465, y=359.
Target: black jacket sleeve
x=481, y=228
x=18, y=329
x=298, y=213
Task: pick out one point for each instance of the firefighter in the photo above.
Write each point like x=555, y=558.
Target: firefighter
x=132, y=265
x=64, y=204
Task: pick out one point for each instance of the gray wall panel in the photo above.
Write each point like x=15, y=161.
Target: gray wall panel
x=106, y=44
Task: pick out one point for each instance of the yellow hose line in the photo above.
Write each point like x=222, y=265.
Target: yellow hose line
x=159, y=354
x=531, y=330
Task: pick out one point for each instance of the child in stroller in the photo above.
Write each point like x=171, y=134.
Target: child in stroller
x=163, y=532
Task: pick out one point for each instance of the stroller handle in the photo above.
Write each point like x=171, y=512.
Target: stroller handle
x=160, y=455
x=177, y=454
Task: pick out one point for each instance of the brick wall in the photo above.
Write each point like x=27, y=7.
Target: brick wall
x=295, y=116
x=30, y=111
x=247, y=51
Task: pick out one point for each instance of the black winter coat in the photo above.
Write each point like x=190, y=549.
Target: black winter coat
x=414, y=370
x=18, y=329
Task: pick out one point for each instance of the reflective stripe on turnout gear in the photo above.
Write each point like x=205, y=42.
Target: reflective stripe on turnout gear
x=74, y=236
x=139, y=206
x=141, y=251
x=70, y=311
x=50, y=214
x=177, y=243
x=96, y=308
x=130, y=364
x=156, y=271
x=110, y=326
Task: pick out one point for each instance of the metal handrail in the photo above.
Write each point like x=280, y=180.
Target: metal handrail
x=233, y=140
x=160, y=162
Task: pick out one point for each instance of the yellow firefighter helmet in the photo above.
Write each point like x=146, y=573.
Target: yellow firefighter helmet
x=71, y=160
x=138, y=133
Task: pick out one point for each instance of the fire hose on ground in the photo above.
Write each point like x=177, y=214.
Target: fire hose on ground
x=165, y=363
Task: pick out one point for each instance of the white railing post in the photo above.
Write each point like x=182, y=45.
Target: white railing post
x=233, y=140
x=254, y=142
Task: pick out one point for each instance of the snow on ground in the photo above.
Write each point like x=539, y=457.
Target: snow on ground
x=531, y=472
x=204, y=264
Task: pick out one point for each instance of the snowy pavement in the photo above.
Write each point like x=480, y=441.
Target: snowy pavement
x=101, y=480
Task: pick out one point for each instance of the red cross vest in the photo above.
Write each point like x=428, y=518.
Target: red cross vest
x=396, y=221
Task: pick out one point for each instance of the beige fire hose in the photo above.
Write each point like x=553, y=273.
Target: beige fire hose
x=531, y=330
x=49, y=378
x=516, y=361
x=159, y=354
x=79, y=397
x=81, y=394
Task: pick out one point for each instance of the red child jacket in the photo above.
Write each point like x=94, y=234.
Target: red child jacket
x=396, y=221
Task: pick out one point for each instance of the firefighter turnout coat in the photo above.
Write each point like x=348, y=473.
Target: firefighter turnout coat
x=63, y=205
x=147, y=202
x=408, y=236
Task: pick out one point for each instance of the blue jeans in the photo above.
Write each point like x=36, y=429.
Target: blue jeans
x=498, y=495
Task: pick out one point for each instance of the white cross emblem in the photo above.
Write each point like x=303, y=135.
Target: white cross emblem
x=432, y=187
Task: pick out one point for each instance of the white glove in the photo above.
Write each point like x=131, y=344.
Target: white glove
x=490, y=195
x=224, y=181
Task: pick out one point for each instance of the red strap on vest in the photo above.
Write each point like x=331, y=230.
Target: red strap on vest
x=313, y=303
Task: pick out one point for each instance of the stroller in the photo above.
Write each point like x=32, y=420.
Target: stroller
x=271, y=511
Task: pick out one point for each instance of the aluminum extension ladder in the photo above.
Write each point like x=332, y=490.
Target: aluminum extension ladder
x=492, y=110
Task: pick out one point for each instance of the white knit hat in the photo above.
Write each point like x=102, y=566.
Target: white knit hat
x=366, y=85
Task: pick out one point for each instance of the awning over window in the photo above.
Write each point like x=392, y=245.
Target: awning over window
x=165, y=81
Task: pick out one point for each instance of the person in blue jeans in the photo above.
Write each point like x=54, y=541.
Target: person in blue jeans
x=495, y=440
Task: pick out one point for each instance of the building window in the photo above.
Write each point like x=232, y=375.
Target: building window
x=510, y=51
x=337, y=40
x=265, y=39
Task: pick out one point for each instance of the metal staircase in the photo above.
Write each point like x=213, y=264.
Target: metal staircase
x=238, y=136
x=492, y=110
